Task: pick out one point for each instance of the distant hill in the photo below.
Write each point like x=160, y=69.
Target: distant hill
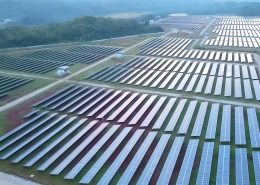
x=80, y=29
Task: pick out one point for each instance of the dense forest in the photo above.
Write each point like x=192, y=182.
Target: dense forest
x=80, y=29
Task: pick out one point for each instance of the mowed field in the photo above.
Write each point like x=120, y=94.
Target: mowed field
x=163, y=114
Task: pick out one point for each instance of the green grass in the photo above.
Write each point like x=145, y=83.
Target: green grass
x=125, y=42
x=133, y=51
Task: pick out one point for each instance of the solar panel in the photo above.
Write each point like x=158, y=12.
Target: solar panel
x=164, y=113
x=218, y=87
x=206, y=68
x=256, y=86
x=225, y=125
x=187, y=164
x=199, y=68
x=253, y=72
x=228, y=86
x=184, y=68
x=247, y=89
x=256, y=161
x=212, y=123
x=214, y=69
x=135, y=105
x=137, y=76
x=129, y=76
x=178, y=66
x=209, y=85
x=192, y=83
x=240, y=138
x=152, y=113
x=65, y=147
x=159, y=79
x=43, y=152
x=229, y=70
x=183, y=82
x=205, y=164
x=200, y=84
x=242, y=57
x=83, y=102
x=43, y=140
x=221, y=70
x=237, y=71
x=249, y=58
x=122, y=107
x=175, y=116
x=187, y=118
x=253, y=128
x=154, y=159
x=175, y=81
x=200, y=119
x=245, y=72
x=223, y=165
x=83, y=162
x=101, y=115
x=101, y=160
x=192, y=67
x=141, y=112
x=40, y=115
x=111, y=171
x=170, y=162
x=21, y=135
x=132, y=167
x=95, y=101
x=167, y=80
x=242, y=176
x=151, y=78
x=32, y=137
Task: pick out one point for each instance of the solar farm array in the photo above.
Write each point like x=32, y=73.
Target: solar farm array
x=78, y=140
x=182, y=22
x=8, y=83
x=47, y=60
x=175, y=48
x=237, y=30
x=229, y=80
x=244, y=42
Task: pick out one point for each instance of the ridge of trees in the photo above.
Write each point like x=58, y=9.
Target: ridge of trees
x=85, y=28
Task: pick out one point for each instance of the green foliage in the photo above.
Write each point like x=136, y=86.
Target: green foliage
x=80, y=29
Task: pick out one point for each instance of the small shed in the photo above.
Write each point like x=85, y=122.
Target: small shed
x=63, y=70
x=120, y=55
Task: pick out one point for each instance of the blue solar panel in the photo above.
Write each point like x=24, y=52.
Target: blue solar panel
x=132, y=167
x=200, y=119
x=170, y=162
x=256, y=160
x=187, y=118
x=42, y=141
x=65, y=147
x=175, y=117
x=187, y=164
x=78, y=167
x=101, y=161
x=212, y=123
x=253, y=128
x=106, y=178
x=43, y=152
x=153, y=161
x=164, y=113
x=205, y=164
x=40, y=115
x=19, y=136
x=225, y=125
x=240, y=138
x=223, y=165
x=153, y=112
x=32, y=137
x=242, y=176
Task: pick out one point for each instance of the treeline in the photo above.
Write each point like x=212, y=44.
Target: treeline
x=80, y=29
